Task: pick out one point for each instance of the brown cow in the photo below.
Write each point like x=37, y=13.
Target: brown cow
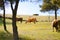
x=56, y=24
x=32, y=19
x=0, y=16
x=19, y=19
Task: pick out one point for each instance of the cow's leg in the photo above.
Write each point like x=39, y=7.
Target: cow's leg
x=56, y=29
x=34, y=22
x=26, y=22
x=21, y=21
x=53, y=29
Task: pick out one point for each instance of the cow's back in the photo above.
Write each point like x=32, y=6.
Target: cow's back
x=31, y=19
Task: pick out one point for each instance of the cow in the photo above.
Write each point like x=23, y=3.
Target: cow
x=31, y=19
x=0, y=16
x=56, y=24
x=19, y=19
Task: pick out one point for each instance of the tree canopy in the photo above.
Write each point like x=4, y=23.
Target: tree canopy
x=50, y=5
x=1, y=4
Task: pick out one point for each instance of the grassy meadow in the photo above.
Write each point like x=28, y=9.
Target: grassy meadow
x=42, y=30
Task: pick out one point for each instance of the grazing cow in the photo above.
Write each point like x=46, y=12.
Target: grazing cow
x=19, y=19
x=32, y=19
x=56, y=24
x=0, y=16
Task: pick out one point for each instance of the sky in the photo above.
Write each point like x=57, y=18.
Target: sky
x=28, y=7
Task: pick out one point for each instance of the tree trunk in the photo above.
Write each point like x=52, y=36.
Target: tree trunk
x=55, y=14
x=15, y=32
x=14, y=11
x=4, y=23
x=55, y=11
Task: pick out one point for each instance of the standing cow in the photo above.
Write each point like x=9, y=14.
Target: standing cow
x=19, y=19
x=31, y=19
x=56, y=24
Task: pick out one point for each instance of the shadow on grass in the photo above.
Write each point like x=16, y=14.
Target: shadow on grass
x=59, y=30
x=22, y=37
x=8, y=36
x=1, y=22
x=8, y=32
x=5, y=36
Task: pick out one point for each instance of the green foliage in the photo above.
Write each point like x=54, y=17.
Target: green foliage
x=46, y=7
x=12, y=1
x=50, y=5
x=5, y=36
x=1, y=4
x=56, y=2
x=0, y=21
x=46, y=1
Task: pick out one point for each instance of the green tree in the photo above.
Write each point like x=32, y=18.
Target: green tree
x=2, y=7
x=14, y=12
x=51, y=5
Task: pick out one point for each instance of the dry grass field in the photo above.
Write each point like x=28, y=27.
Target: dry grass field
x=42, y=30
